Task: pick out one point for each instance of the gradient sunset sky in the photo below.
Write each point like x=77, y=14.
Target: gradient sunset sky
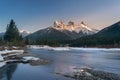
x=32, y=15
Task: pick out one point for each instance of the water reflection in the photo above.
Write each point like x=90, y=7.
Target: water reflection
x=7, y=71
x=62, y=62
x=2, y=72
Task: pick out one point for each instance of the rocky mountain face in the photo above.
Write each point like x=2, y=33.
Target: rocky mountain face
x=61, y=31
x=73, y=27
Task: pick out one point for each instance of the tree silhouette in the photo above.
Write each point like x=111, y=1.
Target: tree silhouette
x=12, y=34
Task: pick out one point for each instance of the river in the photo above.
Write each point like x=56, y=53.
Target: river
x=62, y=62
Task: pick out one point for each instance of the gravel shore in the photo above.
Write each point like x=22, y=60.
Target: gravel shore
x=91, y=74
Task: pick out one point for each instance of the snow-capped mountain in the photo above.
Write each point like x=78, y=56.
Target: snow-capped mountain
x=24, y=33
x=73, y=27
x=60, y=30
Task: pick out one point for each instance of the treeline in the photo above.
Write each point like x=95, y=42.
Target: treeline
x=97, y=41
x=12, y=36
x=53, y=43
x=86, y=41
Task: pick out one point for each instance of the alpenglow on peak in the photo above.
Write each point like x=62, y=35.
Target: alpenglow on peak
x=72, y=26
x=61, y=31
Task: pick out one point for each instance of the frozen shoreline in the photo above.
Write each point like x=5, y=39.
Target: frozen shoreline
x=18, y=56
x=2, y=64
x=71, y=48
x=2, y=60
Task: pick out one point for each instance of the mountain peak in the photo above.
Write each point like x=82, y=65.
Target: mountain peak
x=85, y=26
x=61, y=31
x=71, y=23
x=24, y=33
x=73, y=27
x=59, y=25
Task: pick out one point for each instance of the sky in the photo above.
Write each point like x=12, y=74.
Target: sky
x=33, y=15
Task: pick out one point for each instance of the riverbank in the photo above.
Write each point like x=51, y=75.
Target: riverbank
x=64, y=64
x=17, y=55
x=8, y=53
x=90, y=74
x=45, y=47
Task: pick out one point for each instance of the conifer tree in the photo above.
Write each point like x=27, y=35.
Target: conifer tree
x=12, y=34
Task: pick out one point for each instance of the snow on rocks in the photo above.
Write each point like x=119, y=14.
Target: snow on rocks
x=27, y=58
x=7, y=53
x=17, y=56
x=34, y=60
x=11, y=51
x=91, y=74
x=2, y=64
x=1, y=58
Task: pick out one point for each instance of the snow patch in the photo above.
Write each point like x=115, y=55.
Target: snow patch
x=51, y=48
x=72, y=48
x=84, y=26
x=96, y=49
x=1, y=58
x=2, y=64
x=11, y=51
x=61, y=48
x=15, y=52
x=30, y=58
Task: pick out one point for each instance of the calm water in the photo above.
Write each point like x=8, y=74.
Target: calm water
x=62, y=62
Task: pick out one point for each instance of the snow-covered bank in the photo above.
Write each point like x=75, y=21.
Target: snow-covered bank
x=50, y=48
x=1, y=58
x=61, y=48
x=17, y=56
x=96, y=49
x=2, y=64
x=11, y=51
x=71, y=48
x=8, y=53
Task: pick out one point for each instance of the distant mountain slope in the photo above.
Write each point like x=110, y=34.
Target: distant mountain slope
x=48, y=34
x=24, y=33
x=107, y=36
x=61, y=31
x=111, y=31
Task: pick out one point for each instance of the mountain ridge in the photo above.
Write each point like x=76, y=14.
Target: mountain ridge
x=107, y=36
x=63, y=31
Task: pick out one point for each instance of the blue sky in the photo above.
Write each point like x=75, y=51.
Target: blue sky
x=32, y=15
